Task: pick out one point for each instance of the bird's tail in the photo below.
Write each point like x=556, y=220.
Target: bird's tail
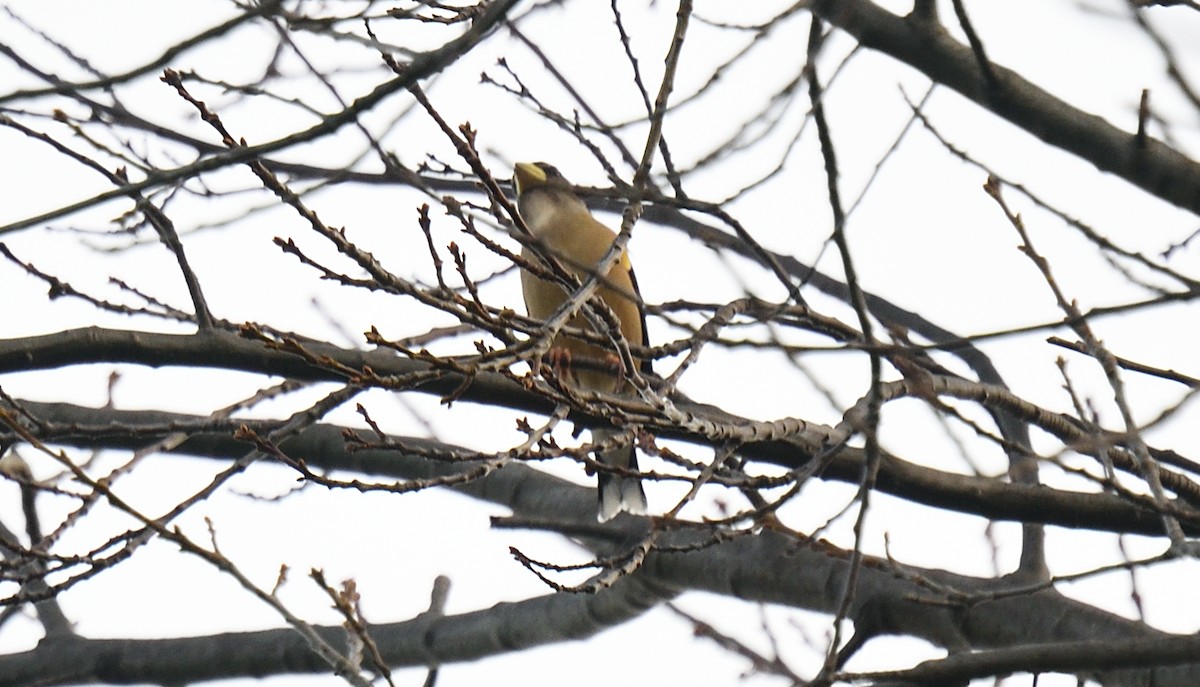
x=618, y=493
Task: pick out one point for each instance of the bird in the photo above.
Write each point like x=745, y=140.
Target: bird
x=564, y=228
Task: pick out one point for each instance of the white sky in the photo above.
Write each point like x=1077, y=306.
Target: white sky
x=927, y=238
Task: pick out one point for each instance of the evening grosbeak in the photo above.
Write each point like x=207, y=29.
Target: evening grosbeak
x=565, y=229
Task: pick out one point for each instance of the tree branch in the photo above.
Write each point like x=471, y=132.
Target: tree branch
x=1155, y=167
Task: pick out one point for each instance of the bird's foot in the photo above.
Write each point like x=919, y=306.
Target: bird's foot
x=559, y=360
x=612, y=364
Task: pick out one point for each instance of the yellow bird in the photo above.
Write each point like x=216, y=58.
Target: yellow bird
x=566, y=230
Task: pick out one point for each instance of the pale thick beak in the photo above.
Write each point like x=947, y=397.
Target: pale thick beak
x=526, y=175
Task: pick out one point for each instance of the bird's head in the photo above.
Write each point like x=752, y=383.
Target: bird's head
x=528, y=176
x=545, y=198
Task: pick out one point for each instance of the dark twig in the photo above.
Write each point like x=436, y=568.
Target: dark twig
x=420, y=67
x=981, y=58
x=657, y=111
x=1130, y=365
x=157, y=218
x=1148, y=467
x=1143, y=117
x=870, y=424
x=1159, y=170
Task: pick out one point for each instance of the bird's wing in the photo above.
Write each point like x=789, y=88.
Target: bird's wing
x=646, y=367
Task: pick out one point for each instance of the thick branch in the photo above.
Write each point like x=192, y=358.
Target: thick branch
x=424, y=641
x=989, y=498
x=530, y=493
x=766, y=566
x=1146, y=163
